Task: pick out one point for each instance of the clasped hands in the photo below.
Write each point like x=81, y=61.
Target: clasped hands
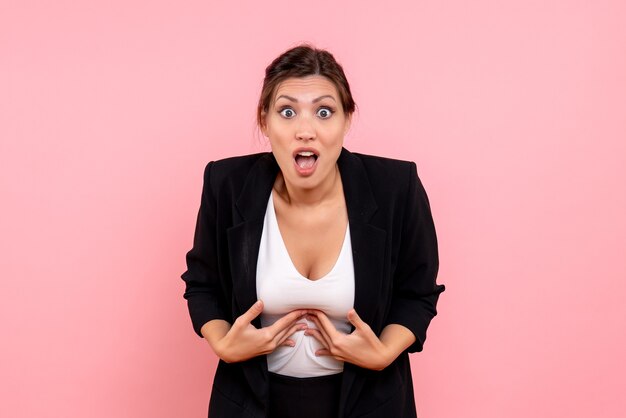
x=243, y=340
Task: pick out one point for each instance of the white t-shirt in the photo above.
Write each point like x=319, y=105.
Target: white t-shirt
x=283, y=289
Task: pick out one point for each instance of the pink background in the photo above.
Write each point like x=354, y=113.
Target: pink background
x=515, y=112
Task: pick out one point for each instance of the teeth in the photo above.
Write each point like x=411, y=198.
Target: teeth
x=306, y=153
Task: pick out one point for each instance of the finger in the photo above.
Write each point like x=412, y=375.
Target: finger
x=321, y=331
x=286, y=321
x=356, y=320
x=325, y=352
x=326, y=324
x=285, y=334
x=288, y=343
x=318, y=336
x=254, y=311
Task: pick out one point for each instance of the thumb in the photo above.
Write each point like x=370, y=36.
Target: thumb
x=355, y=319
x=254, y=311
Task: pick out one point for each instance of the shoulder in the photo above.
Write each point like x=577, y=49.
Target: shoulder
x=234, y=168
x=235, y=164
x=385, y=170
x=380, y=162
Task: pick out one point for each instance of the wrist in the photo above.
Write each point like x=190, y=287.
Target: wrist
x=396, y=339
x=383, y=359
x=387, y=356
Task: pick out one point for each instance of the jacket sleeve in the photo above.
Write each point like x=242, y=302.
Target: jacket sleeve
x=203, y=291
x=415, y=291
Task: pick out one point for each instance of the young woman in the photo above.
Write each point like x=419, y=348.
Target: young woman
x=313, y=269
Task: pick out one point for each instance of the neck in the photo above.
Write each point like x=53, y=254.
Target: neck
x=297, y=196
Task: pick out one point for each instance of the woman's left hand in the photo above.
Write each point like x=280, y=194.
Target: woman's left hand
x=361, y=347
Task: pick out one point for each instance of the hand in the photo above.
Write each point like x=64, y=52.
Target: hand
x=244, y=341
x=361, y=347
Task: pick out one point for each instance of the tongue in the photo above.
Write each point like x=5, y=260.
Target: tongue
x=305, y=162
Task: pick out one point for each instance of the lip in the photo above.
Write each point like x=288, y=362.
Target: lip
x=305, y=172
x=301, y=149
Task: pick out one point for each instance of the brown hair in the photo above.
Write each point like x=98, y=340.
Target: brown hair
x=302, y=61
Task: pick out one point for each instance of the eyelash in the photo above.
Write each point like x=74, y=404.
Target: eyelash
x=328, y=108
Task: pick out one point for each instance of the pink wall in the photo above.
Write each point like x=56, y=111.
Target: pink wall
x=515, y=112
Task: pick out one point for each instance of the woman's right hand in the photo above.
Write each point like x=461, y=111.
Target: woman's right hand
x=242, y=340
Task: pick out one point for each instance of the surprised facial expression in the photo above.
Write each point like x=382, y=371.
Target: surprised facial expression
x=306, y=125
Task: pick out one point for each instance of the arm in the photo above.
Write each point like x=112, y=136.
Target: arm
x=203, y=292
x=241, y=340
x=361, y=347
x=416, y=292
x=206, y=299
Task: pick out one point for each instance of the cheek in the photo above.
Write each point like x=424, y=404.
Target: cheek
x=280, y=149
x=280, y=135
x=335, y=138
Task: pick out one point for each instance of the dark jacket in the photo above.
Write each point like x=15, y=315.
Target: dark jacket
x=395, y=265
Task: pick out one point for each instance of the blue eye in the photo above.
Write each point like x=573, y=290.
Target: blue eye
x=324, y=112
x=287, y=113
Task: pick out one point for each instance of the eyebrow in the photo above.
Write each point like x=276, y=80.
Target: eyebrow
x=314, y=100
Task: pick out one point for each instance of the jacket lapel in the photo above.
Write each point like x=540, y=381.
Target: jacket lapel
x=244, y=240
x=368, y=253
x=368, y=241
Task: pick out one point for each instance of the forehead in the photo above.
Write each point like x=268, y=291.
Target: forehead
x=306, y=87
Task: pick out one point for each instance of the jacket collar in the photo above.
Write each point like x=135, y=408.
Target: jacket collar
x=360, y=202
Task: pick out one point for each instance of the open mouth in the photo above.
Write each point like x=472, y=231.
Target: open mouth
x=305, y=159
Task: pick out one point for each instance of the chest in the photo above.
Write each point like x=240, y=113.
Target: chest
x=283, y=287
x=314, y=237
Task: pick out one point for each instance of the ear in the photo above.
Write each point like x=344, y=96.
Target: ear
x=263, y=126
x=347, y=125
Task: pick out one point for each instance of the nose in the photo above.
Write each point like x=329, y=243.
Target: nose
x=305, y=129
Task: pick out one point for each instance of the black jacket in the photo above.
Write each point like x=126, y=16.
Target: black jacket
x=395, y=265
